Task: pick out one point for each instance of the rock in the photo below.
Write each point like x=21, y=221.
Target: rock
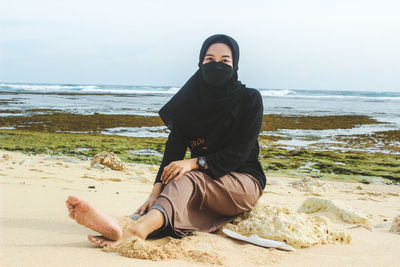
x=280, y=223
x=92, y=187
x=347, y=214
x=5, y=157
x=395, y=225
x=110, y=160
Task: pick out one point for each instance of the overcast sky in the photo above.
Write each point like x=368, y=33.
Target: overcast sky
x=284, y=44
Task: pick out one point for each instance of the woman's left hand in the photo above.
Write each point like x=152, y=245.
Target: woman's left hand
x=177, y=168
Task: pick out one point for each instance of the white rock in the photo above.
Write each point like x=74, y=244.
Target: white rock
x=283, y=224
x=347, y=214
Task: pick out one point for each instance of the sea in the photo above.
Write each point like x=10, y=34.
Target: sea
x=31, y=98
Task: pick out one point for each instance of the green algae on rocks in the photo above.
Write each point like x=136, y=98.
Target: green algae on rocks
x=349, y=166
x=69, y=122
x=352, y=165
x=384, y=140
x=52, y=132
x=81, y=145
x=273, y=122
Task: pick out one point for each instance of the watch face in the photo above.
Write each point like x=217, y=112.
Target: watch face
x=202, y=162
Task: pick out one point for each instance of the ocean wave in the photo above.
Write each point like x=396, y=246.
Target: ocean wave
x=171, y=90
x=279, y=92
x=86, y=89
x=330, y=94
x=349, y=97
x=45, y=87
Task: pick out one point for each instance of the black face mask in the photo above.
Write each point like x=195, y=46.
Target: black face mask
x=216, y=74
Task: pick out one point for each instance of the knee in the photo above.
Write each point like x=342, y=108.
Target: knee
x=194, y=176
x=190, y=178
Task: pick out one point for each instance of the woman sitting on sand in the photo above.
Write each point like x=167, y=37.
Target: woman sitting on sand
x=219, y=119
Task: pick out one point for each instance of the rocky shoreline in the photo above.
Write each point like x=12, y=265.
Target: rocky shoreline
x=46, y=131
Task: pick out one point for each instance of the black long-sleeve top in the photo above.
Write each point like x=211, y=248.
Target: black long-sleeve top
x=235, y=148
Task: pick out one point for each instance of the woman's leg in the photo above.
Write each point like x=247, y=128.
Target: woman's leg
x=85, y=214
x=153, y=220
x=112, y=228
x=199, y=203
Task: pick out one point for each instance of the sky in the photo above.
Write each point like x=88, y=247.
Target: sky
x=338, y=45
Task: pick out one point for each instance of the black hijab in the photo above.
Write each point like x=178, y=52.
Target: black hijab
x=199, y=109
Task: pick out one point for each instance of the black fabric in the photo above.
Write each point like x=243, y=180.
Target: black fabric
x=197, y=106
x=221, y=38
x=222, y=124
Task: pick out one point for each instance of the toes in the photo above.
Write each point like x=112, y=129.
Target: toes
x=100, y=241
x=71, y=212
x=73, y=200
x=94, y=240
x=106, y=243
x=69, y=205
x=70, y=208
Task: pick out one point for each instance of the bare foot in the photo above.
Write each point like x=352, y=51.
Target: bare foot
x=84, y=213
x=100, y=241
x=131, y=228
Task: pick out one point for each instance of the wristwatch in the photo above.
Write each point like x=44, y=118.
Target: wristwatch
x=201, y=162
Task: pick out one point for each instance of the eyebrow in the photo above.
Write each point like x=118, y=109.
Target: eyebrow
x=213, y=55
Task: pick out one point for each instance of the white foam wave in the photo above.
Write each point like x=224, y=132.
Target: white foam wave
x=345, y=97
x=277, y=92
x=46, y=87
x=300, y=94
x=94, y=89
x=172, y=90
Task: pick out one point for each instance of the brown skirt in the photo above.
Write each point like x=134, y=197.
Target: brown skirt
x=199, y=203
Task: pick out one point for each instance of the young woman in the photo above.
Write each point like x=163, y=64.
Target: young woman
x=219, y=119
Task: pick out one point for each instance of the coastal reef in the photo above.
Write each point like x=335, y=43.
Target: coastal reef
x=48, y=121
x=81, y=135
x=280, y=223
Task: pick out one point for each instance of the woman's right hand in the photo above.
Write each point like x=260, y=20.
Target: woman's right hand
x=151, y=200
x=146, y=205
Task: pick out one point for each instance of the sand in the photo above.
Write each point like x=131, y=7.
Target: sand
x=35, y=229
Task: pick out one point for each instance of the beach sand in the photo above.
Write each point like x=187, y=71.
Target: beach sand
x=36, y=229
